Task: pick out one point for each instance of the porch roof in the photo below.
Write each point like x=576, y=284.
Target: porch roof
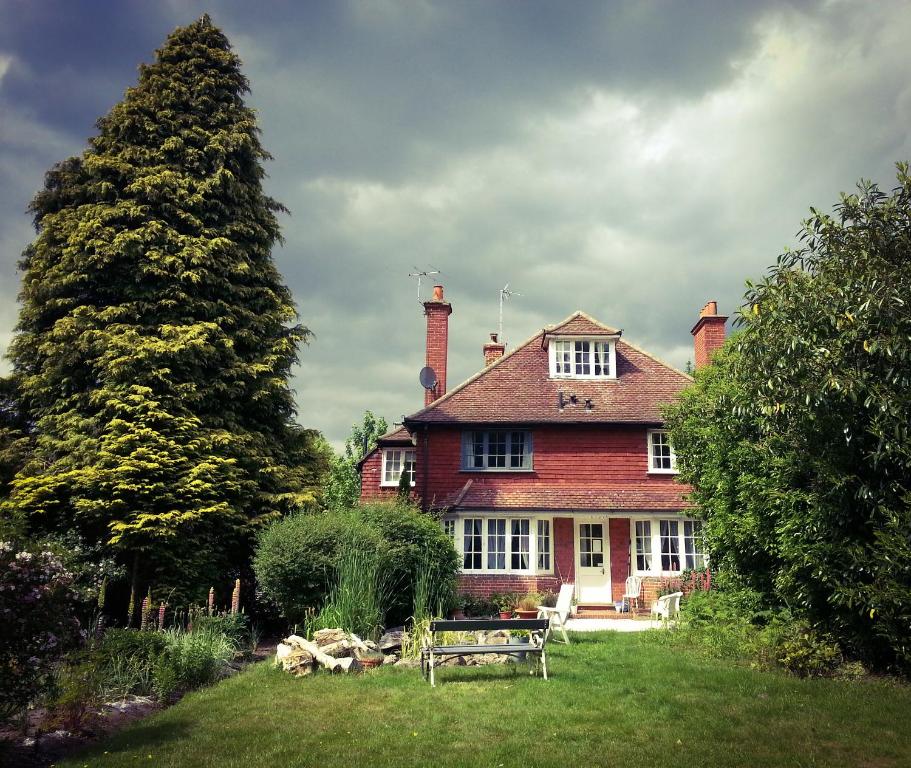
x=561, y=496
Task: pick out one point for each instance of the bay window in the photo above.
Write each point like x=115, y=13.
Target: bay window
x=505, y=544
x=667, y=546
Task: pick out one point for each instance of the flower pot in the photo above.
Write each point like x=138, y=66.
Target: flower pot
x=505, y=614
x=518, y=641
x=458, y=615
x=527, y=614
x=371, y=662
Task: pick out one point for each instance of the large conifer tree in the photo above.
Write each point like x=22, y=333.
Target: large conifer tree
x=156, y=336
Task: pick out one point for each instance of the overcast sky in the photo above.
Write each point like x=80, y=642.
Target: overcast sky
x=628, y=159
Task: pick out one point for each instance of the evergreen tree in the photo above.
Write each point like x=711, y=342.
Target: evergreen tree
x=156, y=336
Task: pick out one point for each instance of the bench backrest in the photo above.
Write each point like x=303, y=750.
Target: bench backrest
x=478, y=625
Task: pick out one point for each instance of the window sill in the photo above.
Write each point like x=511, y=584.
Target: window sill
x=569, y=377
x=663, y=472
x=392, y=485
x=500, y=471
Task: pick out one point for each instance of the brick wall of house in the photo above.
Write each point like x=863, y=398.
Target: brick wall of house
x=574, y=455
x=484, y=585
x=564, y=549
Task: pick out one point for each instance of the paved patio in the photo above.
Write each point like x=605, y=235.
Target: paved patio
x=599, y=625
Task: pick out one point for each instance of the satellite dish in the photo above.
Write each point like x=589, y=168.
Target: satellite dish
x=427, y=377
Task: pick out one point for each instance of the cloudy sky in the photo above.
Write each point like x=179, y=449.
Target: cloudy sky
x=629, y=159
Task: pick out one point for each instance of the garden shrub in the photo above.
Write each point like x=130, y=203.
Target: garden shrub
x=190, y=660
x=235, y=626
x=416, y=548
x=117, y=644
x=37, y=624
x=297, y=558
x=809, y=654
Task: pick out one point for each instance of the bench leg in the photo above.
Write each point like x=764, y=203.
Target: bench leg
x=544, y=663
x=432, y=681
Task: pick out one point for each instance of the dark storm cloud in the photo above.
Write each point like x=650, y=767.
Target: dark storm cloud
x=628, y=159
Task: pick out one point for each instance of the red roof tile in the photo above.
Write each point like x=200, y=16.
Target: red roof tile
x=396, y=436
x=518, y=388
x=537, y=496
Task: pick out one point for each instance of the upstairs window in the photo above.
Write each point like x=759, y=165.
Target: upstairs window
x=661, y=456
x=504, y=450
x=582, y=359
x=395, y=462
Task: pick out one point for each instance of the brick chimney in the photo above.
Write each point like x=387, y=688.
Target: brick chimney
x=493, y=350
x=437, y=311
x=708, y=333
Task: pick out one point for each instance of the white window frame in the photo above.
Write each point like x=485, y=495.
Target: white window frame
x=651, y=434
x=532, y=553
x=655, y=545
x=560, y=347
x=403, y=461
x=469, y=437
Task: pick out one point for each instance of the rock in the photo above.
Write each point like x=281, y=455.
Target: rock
x=349, y=664
x=296, y=640
x=324, y=637
x=390, y=659
x=371, y=646
x=408, y=663
x=451, y=661
x=338, y=649
x=391, y=640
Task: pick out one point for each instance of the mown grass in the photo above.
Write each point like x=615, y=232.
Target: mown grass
x=612, y=700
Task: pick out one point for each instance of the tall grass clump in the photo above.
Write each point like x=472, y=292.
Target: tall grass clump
x=191, y=659
x=357, y=600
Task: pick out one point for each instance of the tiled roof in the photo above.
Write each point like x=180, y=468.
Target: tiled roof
x=395, y=436
x=518, y=388
x=537, y=496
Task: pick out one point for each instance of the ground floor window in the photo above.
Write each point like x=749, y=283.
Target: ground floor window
x=667, y=546
x=502, y=544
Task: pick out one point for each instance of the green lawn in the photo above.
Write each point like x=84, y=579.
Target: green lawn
x=612, y=700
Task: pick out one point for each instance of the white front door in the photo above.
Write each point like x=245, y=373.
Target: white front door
x=592, y=561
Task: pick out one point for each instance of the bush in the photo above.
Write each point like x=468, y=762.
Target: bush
x=235, y=626
x=37, y=624
x=118, y=644
x=809, y=654
x=297, y=559
x=190, y=660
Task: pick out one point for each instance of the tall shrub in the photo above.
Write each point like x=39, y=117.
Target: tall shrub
x=798, y=439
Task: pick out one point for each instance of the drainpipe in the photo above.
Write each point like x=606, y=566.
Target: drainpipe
x=426, y=469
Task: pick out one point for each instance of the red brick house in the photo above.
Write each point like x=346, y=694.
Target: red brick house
x=551, y=464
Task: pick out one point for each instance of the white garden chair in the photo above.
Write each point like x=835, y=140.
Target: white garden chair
x=560, y=612
x=666, y=609
x=633, y=591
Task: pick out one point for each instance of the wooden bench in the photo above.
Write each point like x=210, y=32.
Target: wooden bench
x=432, y=650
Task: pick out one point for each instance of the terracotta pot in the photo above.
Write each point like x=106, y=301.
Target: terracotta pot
x=505, y=614
x=527, y=614
x=458, y=615
x=370, y=662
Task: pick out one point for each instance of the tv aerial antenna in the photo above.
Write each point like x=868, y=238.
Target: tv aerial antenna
x=420, y=274
x=505, y=295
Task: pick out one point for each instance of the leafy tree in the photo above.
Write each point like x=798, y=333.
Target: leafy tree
x=797, y=439
x=156, y=336
x=14, y=434
x=343, y=485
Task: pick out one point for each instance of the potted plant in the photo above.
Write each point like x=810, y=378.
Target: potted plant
x=518, y=637
x=460, y=607
x=505, y=604
x=527, y=607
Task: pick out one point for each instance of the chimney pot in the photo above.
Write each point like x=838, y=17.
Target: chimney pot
x=438, y=293
x=493, y=350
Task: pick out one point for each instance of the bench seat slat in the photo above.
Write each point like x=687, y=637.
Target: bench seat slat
x=460, y=650
x=475, y=625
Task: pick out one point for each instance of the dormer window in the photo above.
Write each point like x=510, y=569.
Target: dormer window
x=583, y=359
